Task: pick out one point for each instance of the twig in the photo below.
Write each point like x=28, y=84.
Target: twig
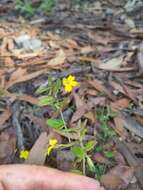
x=16, y=125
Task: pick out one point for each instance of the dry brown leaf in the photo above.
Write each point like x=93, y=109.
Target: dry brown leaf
x=92, y=92
x=78, y=101
x=70, y=43
x=118, y=178
x=120, y=104
x=59, y=59
x=10, y=44
x=111, y=182
x=112, y=64
x=86, y=49
x=20, y=72
x=3, y=47
x=88, y=59
x=5, y=116
x=91, y=116
x=7, y=147
x=8, y=61
x=26, y=77
x=119, y=126
x=18, y=53
x=98, y=157
x=79, y=113
x=38, y=151
x=124, y=90
x=101, y=88
x=97, y=101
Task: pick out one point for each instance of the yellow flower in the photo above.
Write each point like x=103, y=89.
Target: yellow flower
x=24, y=154
x=69, y=83
x=52, y=144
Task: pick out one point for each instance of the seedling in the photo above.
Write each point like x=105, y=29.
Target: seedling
x=28, y=9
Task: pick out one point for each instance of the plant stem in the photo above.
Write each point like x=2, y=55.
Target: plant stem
x=61, y=113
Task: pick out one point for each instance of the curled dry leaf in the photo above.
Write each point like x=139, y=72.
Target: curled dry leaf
x=118, y=178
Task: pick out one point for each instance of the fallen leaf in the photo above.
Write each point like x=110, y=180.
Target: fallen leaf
x=5, y=116
x=37, y=153
x=98, y=157
x=120, y=104
x=101, y=101
x=79, y=113
x=20, y=72
x=78, y=101
x=112, y=64
x=118, y=177
x=7, y=147
x=59, y=59
x=91, y=116
x=111, y=182
x=86, y=49
x=26, y=78
x=119, y=126
x=101, y=88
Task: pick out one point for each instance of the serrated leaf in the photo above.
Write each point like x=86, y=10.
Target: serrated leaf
x=47, y=100
x=90, y=145
x=78, y=152
x=55, y=123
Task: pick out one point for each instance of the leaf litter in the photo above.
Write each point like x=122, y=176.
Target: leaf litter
x=104, y=52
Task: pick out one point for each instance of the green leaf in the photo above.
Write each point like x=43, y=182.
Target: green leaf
x=109, y=154
x=90, y=164
x=90, y=145
x=47, y=100
x=42, y=89
x=82, y=133
x=55, y=123
x=99, y=148
x=75, y=171
x=57, y=86
x=78, y=152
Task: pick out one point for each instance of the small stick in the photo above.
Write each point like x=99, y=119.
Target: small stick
x=16, y=124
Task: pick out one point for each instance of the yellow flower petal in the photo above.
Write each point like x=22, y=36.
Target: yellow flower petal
x=69, y=83
x=65, y=82
x=68, y=88
x=53, y=142
x=74, y=83
x=71, y=78
x=49, y=150
x=24, y=154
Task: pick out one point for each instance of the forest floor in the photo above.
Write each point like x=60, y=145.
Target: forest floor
x=71, y=89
